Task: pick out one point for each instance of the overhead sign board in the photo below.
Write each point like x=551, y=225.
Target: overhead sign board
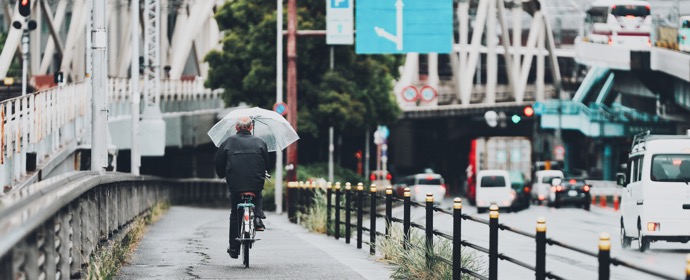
x=339, y=22
x=402, y=26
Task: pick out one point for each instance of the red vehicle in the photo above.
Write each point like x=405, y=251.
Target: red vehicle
x=502, y=153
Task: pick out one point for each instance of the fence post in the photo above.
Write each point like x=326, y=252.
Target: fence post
x=604, y=256
x=493, y=242
x=389, y=208
x=541, y=249
x=457, y=222
x=372, y=220
x=406, y=217
x=348, y=201
x=360, y=200
x=329, y=204
x=429, y=228
x=292, y=202
x=337, y=211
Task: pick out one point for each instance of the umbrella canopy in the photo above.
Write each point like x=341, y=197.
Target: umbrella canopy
x=270, y=126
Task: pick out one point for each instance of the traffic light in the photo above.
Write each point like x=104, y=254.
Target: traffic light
x=516, y=119
x=25, y=7
x=528, y=111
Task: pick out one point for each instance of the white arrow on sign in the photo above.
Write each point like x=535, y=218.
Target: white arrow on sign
x=398, y=38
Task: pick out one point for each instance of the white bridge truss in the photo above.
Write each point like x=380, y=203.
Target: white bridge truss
x=491, y=14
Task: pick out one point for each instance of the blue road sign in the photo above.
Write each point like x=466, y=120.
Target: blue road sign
x=402, y=26
x=336, y=4
x=280, y=108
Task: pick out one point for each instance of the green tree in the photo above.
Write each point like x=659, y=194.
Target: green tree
x=356, y=95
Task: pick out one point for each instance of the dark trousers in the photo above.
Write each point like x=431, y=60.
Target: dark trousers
x=235, y=215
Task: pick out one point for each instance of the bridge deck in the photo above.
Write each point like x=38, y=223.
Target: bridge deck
x=190, y=243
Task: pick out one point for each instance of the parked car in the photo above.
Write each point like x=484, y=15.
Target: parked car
x=494, y=187
x=542, y=184
x=420, y=185
x=522, y=189
x=570, y=191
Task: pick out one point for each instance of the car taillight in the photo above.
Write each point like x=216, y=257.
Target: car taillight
x=559, y=188
x=653, y=226
x=526, y=189
x=585, y=188
x=443, y=188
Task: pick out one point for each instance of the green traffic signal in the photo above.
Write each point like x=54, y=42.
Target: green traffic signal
x=515, y=119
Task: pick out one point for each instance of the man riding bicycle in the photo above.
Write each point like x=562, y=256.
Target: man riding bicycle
x=242, y=160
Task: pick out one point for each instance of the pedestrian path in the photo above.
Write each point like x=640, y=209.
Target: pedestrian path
x=190, y=243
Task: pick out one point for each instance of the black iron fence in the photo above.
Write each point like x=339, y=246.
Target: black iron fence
x=300, y=197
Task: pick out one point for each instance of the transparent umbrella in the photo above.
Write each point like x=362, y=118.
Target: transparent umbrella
x=270, y=126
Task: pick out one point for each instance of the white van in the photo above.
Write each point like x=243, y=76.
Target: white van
x=493, y=187
x=422, y=184
x=541, y=188
x=656, y=195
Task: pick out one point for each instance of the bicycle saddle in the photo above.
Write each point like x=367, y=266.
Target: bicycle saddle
x=248, y=194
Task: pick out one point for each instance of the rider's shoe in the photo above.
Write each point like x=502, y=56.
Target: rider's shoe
x=259, y=225
x=233, y=253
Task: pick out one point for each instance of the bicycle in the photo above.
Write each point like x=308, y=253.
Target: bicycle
x=247, y=233
x=247, y=230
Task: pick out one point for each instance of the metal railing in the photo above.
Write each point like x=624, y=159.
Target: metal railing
x=357, y=206
x=39, y=125
x=52, y=229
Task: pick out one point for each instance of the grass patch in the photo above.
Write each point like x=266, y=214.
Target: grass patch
x=314, y=218
x=412, y=262
x=108, y=258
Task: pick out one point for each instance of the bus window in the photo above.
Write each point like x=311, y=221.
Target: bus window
x=630, y=10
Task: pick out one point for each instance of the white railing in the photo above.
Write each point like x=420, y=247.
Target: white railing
x=47, y=121
x=176, y=96
x=41, y=123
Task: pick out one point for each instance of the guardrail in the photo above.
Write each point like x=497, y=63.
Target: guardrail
x=302, y=190
x=49, y=230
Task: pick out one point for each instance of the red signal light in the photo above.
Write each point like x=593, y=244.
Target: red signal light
x=372, y=177
x=529, y=111
x=25, y=8
x=389, y=177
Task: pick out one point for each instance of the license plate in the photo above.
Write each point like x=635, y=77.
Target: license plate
x=572, y=193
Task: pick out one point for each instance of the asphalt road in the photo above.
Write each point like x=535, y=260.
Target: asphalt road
x=191, y=243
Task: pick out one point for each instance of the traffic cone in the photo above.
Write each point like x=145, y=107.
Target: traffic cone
x=602, y=201
x=594, y=200
x=616, y=204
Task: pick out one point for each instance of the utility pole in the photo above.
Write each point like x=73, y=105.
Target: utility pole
x=279, y=98
x=99, y=108
x=331, y=147
x=135, y=157
x=292, y=85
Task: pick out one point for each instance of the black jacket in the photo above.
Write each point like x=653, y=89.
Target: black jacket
x=242, y=160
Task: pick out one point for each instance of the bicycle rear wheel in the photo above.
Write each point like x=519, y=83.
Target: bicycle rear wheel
x=245, y=250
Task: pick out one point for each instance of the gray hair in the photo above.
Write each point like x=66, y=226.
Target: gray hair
x=243, y=123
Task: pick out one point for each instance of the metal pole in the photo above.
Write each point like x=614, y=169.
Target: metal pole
x=604, y=256
x=336, y=228
x=367, y=139
x=134, y=23
x=541, y=249
x=99, y=106
x=493, y=242
x=360, y=200
x=329, y=204
x=372, y=220
x=457, y=223
x=348, y=202
x=429, y=229
x=292, y=84
x=279, y=98
x=330, y=154
x=25, y=55
x=389, y=209
x=406, y=217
